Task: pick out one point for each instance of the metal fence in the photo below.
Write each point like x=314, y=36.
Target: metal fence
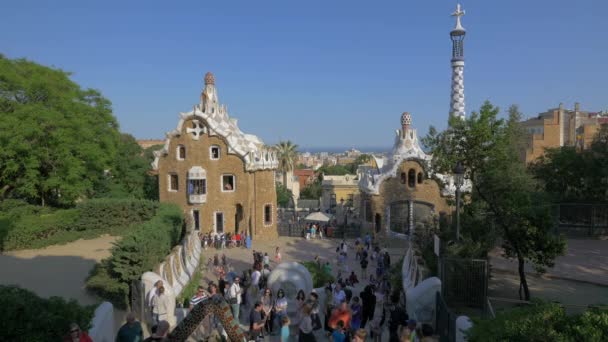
x=464, y=281
x=581, y=220
x=445, y=320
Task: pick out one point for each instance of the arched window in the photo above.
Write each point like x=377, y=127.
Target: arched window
x=181, y=152
x=420, y=180
x=411, y=178
x=403, y=178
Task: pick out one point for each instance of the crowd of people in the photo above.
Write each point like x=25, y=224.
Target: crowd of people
x=225, y=240
x=341, y=315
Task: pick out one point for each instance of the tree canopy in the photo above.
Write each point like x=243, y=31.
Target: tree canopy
x=570, y=175
x=59, y=141
x=504, y=194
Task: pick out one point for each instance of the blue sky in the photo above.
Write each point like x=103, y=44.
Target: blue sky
x=321, y=73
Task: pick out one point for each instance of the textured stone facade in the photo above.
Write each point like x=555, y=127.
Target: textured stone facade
x=219, y=189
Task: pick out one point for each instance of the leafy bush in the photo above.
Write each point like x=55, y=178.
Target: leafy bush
x=319, y=277
x=101, y=282
x=27, y=226
x=140, y=250
x=27, y=317
x=542, y=322
x=112, y=215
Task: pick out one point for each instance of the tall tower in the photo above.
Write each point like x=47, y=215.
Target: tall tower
x=457, y=37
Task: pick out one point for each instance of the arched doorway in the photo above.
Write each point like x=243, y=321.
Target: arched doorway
x=378, y=222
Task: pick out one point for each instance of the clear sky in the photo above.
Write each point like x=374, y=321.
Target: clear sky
x=321, y=73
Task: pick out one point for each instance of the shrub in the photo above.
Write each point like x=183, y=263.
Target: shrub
x=140, y=250
x=27, y=317
x=319, y=277
x=27, y=226
x=101, y=282
x=542, y=321
x=112, y=215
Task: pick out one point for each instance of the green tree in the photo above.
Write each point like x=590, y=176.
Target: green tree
x=504, y=193
x=572, y=175
x=284, y=195
x=312, y=191
x=287, y=154
x=57, y=139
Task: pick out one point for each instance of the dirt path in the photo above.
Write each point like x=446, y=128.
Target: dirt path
x=58, y=270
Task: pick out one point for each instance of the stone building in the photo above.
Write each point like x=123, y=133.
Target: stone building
x=221, y=177
x=343, y=190
x=404, y=192
x=560, y=127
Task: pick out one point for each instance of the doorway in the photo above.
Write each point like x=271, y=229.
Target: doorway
x=219, y=223
x=238, y=216
x=378, y=223
x=196, y=219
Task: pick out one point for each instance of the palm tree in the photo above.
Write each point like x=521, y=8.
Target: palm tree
x=287, y=154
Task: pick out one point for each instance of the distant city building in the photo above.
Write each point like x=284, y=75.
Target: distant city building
x=344, y=160
x=343, y=190
x=221, y=177
x=305, y=177
x=561, y=127
x=353, y=153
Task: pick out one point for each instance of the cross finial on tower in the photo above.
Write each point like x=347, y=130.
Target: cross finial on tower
x=458, y=13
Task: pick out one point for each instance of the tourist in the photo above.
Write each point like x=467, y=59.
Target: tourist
x=387, y=260
x=77, y=335
x=266, y=259
x=160, y=305
x=216, y=261
x=341, y=313
x=353, y=280
x=338, y=334
x=222, y=284
x=300, y=300
x=267, y=307
x=368, y=305
x=130, y=331
x=339, y=295
x=397, y=315
x=357, y=248
x=308, y=233
x=160, y=334
x=368, y=241
x=329, y=300
x=256, y=275
x=359, y=336
x=313, y=301
x=280, y=307
x=344, y=248
x=256, y=323
x=356, y=310
x=305, y=326
x=327, y=268
x=363, y=263
x=157, y=285
x=285, y=329
x=313, y=231
x=198, y=297
x=224, y=260
x=277, y=255
x=233, y=297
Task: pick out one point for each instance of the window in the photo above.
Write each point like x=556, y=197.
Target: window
x=403, y=178
x=420, y=180
x=181, y=152
x=173, y=182
x=219, y=222
x=228, y=183
x=268, y=214
x=214, y=152
x=411, y=175
x=197, y=186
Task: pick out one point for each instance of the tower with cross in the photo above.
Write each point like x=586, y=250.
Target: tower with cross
x=457, y=95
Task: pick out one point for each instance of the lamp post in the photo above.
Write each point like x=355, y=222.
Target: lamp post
x=458, y=181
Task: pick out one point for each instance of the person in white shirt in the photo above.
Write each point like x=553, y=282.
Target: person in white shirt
x=160, y=305
x=234, y=297
x=255, y=285
x=305, y=325
x=280, y=309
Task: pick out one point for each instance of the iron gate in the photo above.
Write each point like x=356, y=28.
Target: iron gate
x=464, y=281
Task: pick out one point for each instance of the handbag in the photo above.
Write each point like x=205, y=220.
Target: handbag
x=233, y=301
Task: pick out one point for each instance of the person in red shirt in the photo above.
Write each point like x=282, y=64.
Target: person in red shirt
x=341, y=313
x=76, y=335
x=238, y=239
